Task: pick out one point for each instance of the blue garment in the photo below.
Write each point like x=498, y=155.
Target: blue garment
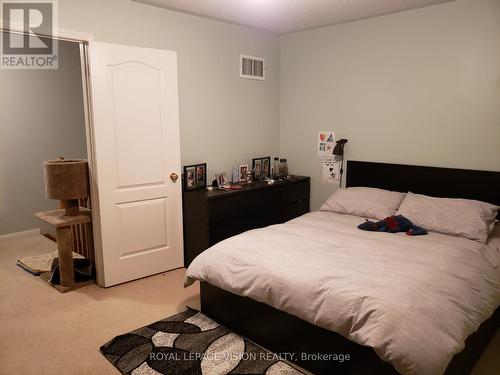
x=393, y=224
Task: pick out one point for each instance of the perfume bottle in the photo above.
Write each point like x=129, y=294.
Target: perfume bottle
x=236, y=175
x=283, y=168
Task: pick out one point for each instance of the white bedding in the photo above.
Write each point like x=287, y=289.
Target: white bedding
x=415, y=300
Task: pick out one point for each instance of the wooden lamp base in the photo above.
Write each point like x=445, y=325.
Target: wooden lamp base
x=63, y=223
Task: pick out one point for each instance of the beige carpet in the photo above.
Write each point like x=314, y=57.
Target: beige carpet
x=45, y=332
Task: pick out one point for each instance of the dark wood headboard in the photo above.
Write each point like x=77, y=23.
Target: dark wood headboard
x=434, y=181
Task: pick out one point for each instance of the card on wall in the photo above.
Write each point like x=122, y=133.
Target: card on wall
x=331, y=170
x=326, y=143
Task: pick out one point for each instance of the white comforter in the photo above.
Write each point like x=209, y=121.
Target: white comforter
x=415, y=300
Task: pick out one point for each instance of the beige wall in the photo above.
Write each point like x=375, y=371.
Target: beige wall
x=419, y=87
x=41, y=117
x=224, y=120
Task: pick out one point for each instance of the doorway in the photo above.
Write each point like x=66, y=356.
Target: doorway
x=132, y=144
x=42, y=117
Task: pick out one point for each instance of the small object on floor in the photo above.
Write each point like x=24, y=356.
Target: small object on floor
x=38, y=264
x=191, y=343
x=393, y=224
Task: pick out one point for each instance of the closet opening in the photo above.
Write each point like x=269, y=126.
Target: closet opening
x=44, y=115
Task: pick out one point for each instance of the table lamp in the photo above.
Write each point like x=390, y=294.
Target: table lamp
x=338, y=154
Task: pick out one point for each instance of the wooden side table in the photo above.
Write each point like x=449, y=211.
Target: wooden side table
x=63, y=225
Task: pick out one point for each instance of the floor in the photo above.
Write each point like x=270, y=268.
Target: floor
x=45, y=332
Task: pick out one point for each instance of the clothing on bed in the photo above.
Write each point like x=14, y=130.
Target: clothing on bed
x=415, y=300
x=393, y=224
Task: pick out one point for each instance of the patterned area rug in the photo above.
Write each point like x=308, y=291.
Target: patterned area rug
x=190, y=343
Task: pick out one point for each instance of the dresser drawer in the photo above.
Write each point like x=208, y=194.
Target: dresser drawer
x=224, y=229
x=212, y=216
x=238, y=205
x=263, y=200
x=291, y=211
x=227, y=228
x=292, y=194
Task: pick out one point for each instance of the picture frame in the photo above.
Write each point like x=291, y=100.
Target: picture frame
x=222, y=180
x=195, y=177
x=201, y=176
x=243, y=173
x=261, y=167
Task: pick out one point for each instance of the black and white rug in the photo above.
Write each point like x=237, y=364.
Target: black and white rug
x=190, y=343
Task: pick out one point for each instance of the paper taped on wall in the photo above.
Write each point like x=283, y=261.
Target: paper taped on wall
x=326, y=143
x=331, y=170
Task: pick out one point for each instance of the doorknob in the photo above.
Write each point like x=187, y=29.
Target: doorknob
x=174, y=177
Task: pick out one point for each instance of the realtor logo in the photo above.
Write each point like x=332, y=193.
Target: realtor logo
x=31, y=43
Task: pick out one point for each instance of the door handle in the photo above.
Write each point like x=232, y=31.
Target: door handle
x=174, y=177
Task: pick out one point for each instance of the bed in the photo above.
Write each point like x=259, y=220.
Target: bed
x=294, y=303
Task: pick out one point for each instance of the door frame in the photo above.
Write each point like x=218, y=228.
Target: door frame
x=89, y=130
x=84, y=41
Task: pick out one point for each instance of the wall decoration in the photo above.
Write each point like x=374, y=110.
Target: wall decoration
x=261, y=167
x=326, y=143
x=331, y=170
x=195, y=177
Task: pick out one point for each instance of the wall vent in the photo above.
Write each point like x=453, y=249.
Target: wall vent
x=252, y=67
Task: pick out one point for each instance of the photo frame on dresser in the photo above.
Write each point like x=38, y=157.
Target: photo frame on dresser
x=261, y=167
x=195, y=177
x=222, y=180
x=243, y=173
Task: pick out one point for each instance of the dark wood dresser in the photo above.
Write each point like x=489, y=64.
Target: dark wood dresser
x=212, y=216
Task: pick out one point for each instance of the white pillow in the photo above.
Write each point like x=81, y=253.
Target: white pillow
x=459, y=217
x=363, y=201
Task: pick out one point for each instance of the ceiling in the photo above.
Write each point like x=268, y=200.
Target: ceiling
x=283, y=16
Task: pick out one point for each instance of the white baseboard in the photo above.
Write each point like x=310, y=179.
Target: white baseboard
x=26, y=233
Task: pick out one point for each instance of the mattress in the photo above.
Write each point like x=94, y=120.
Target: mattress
x=415, y=300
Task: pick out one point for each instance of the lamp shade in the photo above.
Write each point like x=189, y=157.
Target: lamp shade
x=338, y=150
x=66, y=179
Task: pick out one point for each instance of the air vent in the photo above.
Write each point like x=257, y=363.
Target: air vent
x=252, y=67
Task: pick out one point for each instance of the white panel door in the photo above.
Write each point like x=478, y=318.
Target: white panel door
x=136, y=144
